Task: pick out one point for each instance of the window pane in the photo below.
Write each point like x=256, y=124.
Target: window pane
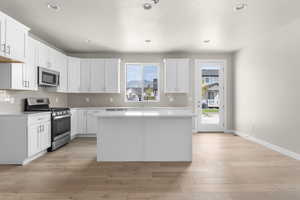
x=134, y=83
x=210, y=95
x=150, y=82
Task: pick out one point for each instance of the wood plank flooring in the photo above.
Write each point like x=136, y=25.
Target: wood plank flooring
x=225, y=167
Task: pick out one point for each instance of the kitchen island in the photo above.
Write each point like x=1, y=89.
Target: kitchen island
x=144, y=136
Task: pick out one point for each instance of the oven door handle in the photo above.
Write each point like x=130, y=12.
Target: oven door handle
x=61, y=117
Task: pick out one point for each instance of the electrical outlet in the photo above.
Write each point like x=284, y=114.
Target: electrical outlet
x=87, y=99
x=56, y=99
x=111, y=99
x=171, y=99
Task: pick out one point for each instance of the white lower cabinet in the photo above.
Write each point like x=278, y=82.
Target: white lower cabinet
x=39, y=138
x=30, y=138
x=83, y=122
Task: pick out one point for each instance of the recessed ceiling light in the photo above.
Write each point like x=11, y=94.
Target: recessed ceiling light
x=148, y=41
x=88, y=41
x=206, y=41
x=147, y=6
x=53, y=7
x=240, y=6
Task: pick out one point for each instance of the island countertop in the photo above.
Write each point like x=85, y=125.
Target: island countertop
x=143, y=113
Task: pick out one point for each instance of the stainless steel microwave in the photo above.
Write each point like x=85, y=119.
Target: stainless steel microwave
x=47, y=77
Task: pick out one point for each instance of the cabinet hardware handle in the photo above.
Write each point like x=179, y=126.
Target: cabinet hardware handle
x=3, y=48
x=8, y=49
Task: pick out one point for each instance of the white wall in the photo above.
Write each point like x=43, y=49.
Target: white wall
x=267, y=88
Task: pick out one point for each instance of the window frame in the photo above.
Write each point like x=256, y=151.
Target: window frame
x=143, y=64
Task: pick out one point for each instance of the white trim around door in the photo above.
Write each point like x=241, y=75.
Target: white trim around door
x=220, y=125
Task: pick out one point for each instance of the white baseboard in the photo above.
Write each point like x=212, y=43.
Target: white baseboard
x=269, y=145
x=90, y=135
x=229, y=131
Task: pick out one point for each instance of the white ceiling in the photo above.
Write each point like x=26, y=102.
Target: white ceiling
x=172, y=25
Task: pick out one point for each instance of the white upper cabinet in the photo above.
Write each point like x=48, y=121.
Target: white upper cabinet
x=30, y=74
x=85, y=67
x=73, y=74
x=14, y=36
x=170, y=75
x=97, y=75
x=94, y=75
x=183, y=74
x=2, y=34
x=42, y=55
x=112, y=75
x=177, y=72
x=62, y=66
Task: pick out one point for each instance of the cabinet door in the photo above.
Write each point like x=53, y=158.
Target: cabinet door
x=91, y=123
x=112, y=75
x=17, y=76
x=2, y=35
x=33, y=140
x=53, y=59
x=16, y=40
x=63, y=78
x=170, y=75
x=73, y=74
x=42, y=55
x=46, y=130
x=74, y=123
x=85, y=65
x=183, y=73
x=31, y=65
x=97, y=75
x=81, y=122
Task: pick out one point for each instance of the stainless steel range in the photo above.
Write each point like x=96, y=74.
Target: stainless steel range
x=60, y=120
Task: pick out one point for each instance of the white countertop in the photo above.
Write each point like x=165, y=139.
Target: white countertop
x=148, y=113
x=16, y=114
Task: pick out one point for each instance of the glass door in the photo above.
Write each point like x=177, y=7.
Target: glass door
x=210, y=95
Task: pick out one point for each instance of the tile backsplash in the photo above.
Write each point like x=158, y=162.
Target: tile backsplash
x=13, y=101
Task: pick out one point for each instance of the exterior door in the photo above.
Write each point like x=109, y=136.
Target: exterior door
x=210, y=95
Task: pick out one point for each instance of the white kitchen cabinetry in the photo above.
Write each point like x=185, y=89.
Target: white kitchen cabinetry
x=83, y=123
x=73, y=74
x=18, y=76
x=91, y=122
x=177, y=74
x=74, y=123
x=30, y=73
x=97, y=74
x=14, y=76
x=30, y=139
x=85, y=65
x=13, y=39
x=62, y=65
x=112, y=75
x=43, y=54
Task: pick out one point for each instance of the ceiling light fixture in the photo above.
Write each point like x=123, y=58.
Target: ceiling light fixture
x=148, y=41
x=88, y=41
x=148, y=5
x=239, y=6
x=53, y=7
x=206, y=41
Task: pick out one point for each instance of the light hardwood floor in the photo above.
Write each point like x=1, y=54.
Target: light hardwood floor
x=225, y=167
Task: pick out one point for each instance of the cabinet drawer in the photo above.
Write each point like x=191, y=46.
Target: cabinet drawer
x=37, y=119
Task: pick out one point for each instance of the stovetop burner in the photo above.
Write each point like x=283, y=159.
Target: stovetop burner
x=42, y=105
